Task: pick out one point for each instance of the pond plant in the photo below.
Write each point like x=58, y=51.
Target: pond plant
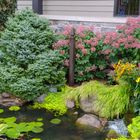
x=9, y=128
x=14, y=108
x=1, y=110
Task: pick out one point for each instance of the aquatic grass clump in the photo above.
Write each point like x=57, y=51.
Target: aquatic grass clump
x=110, y=100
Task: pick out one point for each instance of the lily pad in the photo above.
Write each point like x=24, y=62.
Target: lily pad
x=2, y=128
x=9, y=120
x=12, y=133
x=1, y=110
x=40, y=119
x=37, y=129
x=14, y=108
x=55, y=121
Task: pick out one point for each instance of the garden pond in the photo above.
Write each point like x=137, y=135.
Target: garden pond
x=66, y=130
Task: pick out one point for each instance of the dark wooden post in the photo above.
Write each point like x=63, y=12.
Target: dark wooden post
x=37, y=6
x=72, y=58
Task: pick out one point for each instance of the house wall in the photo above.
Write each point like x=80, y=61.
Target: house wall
x=21, y=4
x=98, y=13
x=88, y=8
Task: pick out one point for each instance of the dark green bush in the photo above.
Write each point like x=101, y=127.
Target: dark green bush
x=7, y=8
x=28, y=65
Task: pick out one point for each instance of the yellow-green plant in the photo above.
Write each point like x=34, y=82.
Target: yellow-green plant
x=111, y=100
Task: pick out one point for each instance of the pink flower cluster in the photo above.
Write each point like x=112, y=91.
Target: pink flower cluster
x=89, y=45
x=61, y=43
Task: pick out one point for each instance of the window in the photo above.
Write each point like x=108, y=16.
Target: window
x=127, y=7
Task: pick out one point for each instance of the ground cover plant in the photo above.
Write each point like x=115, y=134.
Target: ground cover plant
x=28, y=66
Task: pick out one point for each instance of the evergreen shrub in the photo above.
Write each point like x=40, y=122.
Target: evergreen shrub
x=28, y=66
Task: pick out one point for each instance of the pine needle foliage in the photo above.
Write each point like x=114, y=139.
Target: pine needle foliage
x=28, y=65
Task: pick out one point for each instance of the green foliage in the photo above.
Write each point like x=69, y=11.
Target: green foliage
x=40, y=119
x=14, y=108
x=1, y=110
x=13, y=130
x=7, y=8
x=136, y=104
x=134, y=128
x=96, y=52
x=55, y=121
x=28, y=66
x=54, y=102
x=110, y=100
x=130, y=74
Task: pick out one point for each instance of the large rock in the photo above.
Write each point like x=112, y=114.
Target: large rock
x=8, y=100
x=89, y=120
x=41, y=98
x=88, y=105
x=70, y=104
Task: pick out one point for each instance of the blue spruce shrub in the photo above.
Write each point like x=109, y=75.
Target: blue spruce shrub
x=28, y=65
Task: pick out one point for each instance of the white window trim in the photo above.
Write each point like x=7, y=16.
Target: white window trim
x=87, y=19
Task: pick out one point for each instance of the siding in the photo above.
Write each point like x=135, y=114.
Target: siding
x=21, y=4
x=90, y=8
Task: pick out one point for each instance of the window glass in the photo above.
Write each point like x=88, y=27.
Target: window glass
x=127, y=7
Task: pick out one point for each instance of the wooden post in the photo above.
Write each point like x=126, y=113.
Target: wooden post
x=37, y=6
x=72, y=58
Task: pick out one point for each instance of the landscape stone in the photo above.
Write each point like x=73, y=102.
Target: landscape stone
x=70, y=104
x=41, y=98
x=8, y=100
x=89, y=120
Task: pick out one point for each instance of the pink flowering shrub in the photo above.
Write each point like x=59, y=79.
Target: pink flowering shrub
x=88, y=51
x=126, y=44
x=95, y=52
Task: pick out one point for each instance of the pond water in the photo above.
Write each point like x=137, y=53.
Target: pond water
x=66, y=130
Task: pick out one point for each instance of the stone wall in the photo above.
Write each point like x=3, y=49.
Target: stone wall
x=58, y=25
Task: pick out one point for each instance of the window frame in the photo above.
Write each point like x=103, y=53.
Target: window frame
x=115, y=9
